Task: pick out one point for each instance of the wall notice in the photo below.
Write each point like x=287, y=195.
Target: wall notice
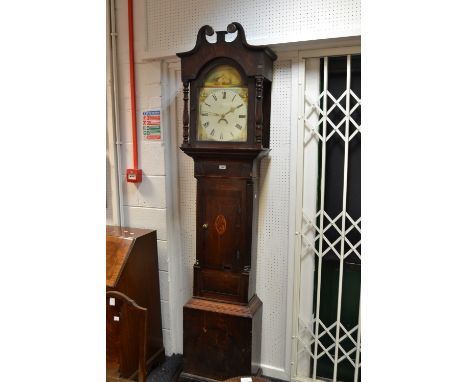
x=152, y=125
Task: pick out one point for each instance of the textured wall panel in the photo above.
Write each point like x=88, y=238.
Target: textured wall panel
x=172, y=25
x=167, y=341
x=187, y=208
x=273, y=221
x=166, y=324
x=164, y=286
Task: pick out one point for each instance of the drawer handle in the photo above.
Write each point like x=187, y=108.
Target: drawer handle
x=205, y=226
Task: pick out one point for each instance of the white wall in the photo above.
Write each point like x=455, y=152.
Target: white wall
x=163, y=28
x=172, y=25
x=144, y=205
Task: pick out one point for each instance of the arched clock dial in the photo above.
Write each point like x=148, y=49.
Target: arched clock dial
x=222, y=115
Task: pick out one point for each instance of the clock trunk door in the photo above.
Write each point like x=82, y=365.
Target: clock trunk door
x=221, y=228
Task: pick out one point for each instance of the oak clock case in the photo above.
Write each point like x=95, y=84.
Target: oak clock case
x=226, y=125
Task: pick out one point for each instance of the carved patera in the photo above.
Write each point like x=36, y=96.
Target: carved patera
x=220, y=224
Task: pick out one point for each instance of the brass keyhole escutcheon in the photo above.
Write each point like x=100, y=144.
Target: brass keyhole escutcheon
x=205, y=226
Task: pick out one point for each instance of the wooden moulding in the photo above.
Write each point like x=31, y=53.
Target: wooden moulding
x=255, y=59
x=226, y=308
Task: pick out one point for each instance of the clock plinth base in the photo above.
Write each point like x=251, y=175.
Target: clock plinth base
x=221, y=340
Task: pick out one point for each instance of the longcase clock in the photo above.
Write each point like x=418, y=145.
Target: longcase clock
x=226, y=130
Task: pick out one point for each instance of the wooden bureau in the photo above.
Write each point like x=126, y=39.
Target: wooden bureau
x=133, y=308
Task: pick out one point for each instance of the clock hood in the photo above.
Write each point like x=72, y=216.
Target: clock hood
x=254, y=60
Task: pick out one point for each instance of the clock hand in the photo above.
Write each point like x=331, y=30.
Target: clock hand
x=230, y=111
x=222, y=117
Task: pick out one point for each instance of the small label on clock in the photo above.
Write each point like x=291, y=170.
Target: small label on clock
x=246, y=379
x=222, y=167
x=112, y=301
x=116, y=318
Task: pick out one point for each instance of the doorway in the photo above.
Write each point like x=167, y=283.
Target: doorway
x=326, y=312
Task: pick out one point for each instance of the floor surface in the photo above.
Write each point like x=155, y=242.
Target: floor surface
x=170, y=369
x=167, y=371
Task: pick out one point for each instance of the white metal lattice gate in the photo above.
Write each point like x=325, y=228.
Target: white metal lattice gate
x=326, y=310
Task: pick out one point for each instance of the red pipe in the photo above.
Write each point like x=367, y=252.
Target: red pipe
x=132, y=83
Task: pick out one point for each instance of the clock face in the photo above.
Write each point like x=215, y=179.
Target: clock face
x=222, y=114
